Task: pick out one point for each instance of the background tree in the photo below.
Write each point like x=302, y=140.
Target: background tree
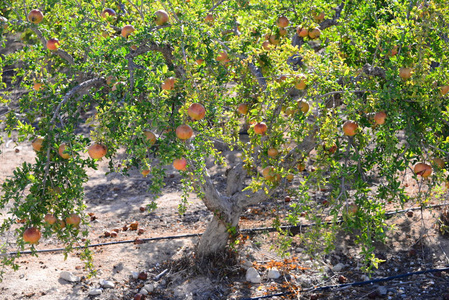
x=354, y=92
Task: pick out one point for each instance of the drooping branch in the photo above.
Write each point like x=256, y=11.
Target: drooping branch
x=79, y=89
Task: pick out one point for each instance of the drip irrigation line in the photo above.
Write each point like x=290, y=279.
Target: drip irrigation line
x=291, y=229
x=135, y=241
x=296, y=229
x=359, y=283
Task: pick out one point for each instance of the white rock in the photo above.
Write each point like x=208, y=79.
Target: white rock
x=338, y=267
x=67, y=276
x=149, y=287
x=107, y=283
x=135, y=275
x=273, y=274
x=252, y=275
x=143, y=291
x=95, y=292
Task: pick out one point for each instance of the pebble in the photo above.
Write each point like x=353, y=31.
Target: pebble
x=252, y=275
x=273, y=274
x=364, y=277
x=107, y=283
x=382, y=290
x=338, y=267
x=247, y=264
x=135, y=275
x=143, y=291
x=67, y=276
x=95, y=292
x=149, y=287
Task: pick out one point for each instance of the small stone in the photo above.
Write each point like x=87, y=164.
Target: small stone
x=364, y=278
x=149, y=287
x=107, y=284
x=382, y=290
x=252, y=275
x=135, y=275
x=338, y=267
x=143, y=291
x=273, y=274
x=67, y=276
x=95, y=292
x=247, y=264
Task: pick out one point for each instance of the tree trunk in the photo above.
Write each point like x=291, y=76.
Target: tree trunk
x=215, y=238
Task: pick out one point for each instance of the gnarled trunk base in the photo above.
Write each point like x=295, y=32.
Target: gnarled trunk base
x=216, y=236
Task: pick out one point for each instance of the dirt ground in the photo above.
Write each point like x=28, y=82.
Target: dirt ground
x=414, y=245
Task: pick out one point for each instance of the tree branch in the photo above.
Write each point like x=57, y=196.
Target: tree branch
x=63, y=54
x=334, y=21
x=165, y=49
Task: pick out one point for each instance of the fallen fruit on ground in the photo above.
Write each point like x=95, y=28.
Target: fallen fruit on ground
x=32, y=235
x=145, y=172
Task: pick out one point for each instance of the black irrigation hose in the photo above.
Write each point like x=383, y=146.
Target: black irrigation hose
x=359, y=283
x=297, y=228
x=293, y=229
x=136, y=241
